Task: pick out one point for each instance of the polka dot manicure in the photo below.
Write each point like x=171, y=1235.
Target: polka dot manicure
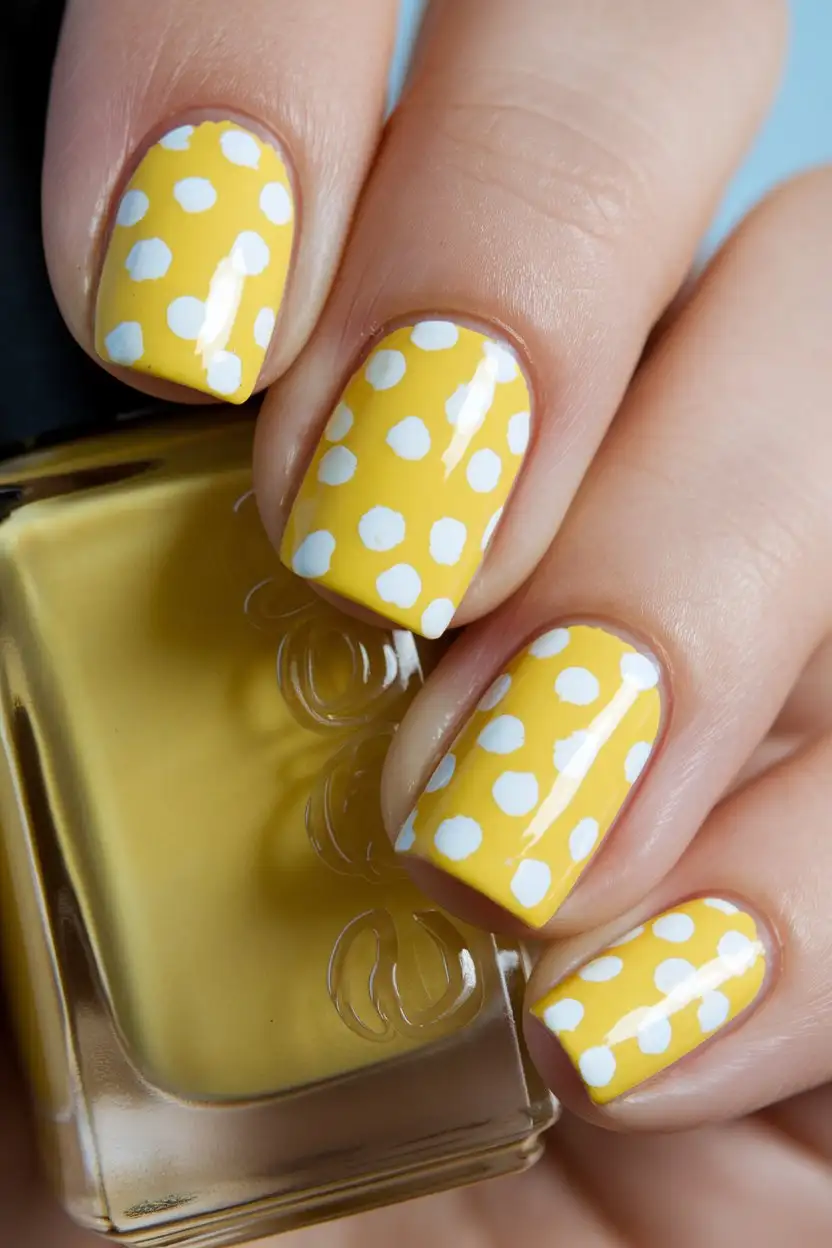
x=656, y=994
x=198, y=260
x=522, y=801
x=407, y=486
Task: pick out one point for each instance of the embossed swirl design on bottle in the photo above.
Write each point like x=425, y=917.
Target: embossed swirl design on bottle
x=383, y=994
x=336, y=812
x=412, y=973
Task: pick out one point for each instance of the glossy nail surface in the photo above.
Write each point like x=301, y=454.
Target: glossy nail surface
x=656, y=994
x=198, y=260
x=522, y=801
x=409, y=480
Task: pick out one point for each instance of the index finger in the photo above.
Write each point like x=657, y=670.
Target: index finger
x=304, y=81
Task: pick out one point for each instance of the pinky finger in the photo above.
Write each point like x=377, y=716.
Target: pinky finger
x=712, y=999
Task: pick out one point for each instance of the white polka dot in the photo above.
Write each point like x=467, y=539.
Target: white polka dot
x=577, y=686
x=178, y=140
x=385, y=369
x=518, y=433
x=654, y=1036
x=125, y=344
x=483, y=471
x=601, y=969
x=639, y=671
x=458, y=837
x=636, y=759
x=186, y=316
x=531, y=882
x=435, y=335
x=713, y=1011
x=504, y=360
x=582, y=839
x=407, y=835
x=240, y=148
x=436, y=617
x=312, y=557
x=132, y=208
x=250, y=253
x=488, y=533
x=717, y=903
x=738, y=952
x=564, y=1015
x=502, y=735
x=339, y=423
x=195, y=194
x=633, y=933
x=672, y=973
x=337, y=466
x=381, y=528
x=573, y=756
x=495, y=693
x=516, y=792
x=677, y=928
x=547, y=645
x=443, y=774
x=447, y=541
x=399, y=585
x=455, y=404
x=276, y=203
x=409, y=438
x=148, y=260
x=264, y=327
x=224, y=372
x=597, y=1066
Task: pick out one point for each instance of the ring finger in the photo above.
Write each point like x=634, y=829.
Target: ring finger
x=701, y=537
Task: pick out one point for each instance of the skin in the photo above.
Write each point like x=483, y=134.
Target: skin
x=551, y=169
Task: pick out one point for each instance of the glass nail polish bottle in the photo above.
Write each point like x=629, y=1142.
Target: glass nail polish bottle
x=237, y=1014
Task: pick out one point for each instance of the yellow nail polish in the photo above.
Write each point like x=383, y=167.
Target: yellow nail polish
x=411, y=475
x=524, y=798
x=656, y=994
x=198, y=260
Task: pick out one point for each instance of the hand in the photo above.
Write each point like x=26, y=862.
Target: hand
x=546, y=180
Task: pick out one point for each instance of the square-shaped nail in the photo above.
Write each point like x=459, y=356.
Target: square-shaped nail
x=656, y=994
x=198, y=259
x=411, y=475
x=525, y=796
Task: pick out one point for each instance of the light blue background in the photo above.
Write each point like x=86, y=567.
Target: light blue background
x=798, y=133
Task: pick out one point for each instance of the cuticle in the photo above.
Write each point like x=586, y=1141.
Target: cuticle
x=377, y=332
x=634, y=638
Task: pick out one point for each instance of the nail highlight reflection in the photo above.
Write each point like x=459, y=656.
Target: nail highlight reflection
x=656, y=994
x=198, y=260
x=522, y=801
x=408, y=483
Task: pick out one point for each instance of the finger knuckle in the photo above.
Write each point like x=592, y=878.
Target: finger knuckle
x=551, y=156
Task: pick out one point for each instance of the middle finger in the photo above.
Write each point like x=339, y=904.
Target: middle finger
x=542, y=185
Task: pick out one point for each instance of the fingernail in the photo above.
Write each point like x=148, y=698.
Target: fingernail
x=410, y=477
x=534, y=781
x=198, y=260
x=656, y=994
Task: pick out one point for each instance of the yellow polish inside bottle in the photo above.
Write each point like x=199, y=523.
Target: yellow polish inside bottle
x=200, y=903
